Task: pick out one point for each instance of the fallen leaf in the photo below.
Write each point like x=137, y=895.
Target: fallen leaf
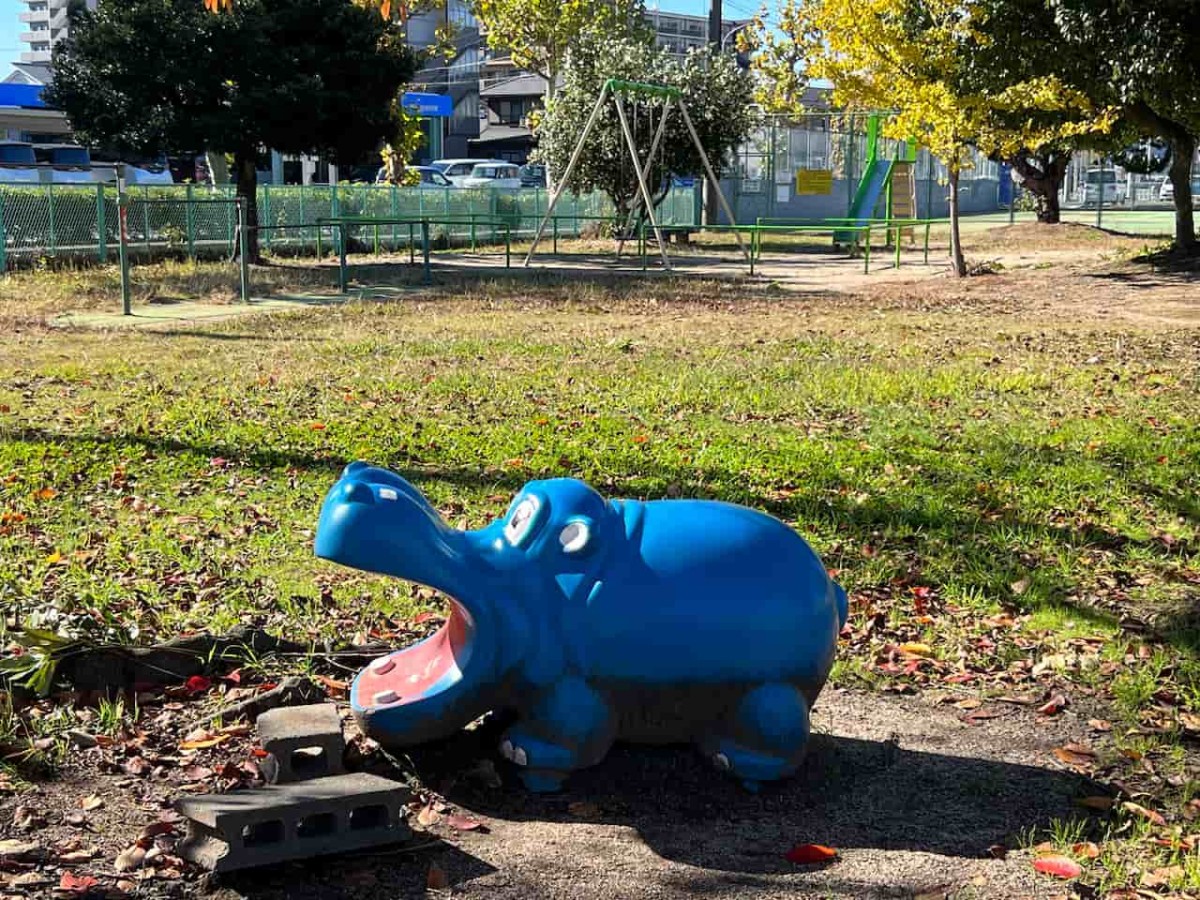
x=916, y=648
x=1073, y=757
x=1053, y=706
x=1161, y=877
x=806, y=854
x=136, y=766
x=45, y=493
x=1150, y=815
x=90, y=802
x=1100, y=724
x=1086, y=849
x=436, y=879
x=197, y=684
x=462, y=823
x=317, y=426
x=1095, y=802
x=130, y=858
x=1020, y=587
x=19, y=851
x=969, y=703
x=76, y=884
x=335, y=688
x=204, y=743
x=428, y=816
x=1058, y=866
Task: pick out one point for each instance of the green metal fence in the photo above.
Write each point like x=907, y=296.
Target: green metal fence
x=70, y=221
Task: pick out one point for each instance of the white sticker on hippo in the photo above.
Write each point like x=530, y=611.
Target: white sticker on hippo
x=387, y=493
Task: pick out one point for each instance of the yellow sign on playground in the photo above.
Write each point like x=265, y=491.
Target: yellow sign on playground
x=814, y=181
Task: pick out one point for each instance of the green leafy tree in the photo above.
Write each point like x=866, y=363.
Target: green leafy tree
x=541, y=33
x=1144, y=60
x=719, y=98
x=298, y=76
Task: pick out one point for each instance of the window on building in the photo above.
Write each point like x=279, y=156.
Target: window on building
x=39, y=26
x=458, y=13
x=39, y=46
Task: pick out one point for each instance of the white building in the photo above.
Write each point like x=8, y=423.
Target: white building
x=45, y=25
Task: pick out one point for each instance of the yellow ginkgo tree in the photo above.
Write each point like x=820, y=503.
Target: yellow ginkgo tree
x=913, y=57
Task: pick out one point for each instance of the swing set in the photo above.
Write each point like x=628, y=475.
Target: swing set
x=617, y=90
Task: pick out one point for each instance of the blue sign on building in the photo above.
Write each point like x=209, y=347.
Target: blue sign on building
x=23, y=96
x=428, y=105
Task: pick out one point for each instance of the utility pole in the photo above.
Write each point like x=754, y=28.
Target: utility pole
x=714, y=41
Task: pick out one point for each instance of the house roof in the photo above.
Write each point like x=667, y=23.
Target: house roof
x=29, y=73
x=526, y=85
x=495, y=133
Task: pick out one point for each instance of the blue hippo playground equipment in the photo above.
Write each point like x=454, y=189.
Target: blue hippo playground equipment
x=595, y=620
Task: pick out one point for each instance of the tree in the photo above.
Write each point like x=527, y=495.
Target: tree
x=540, y=33
x=719, y=98
x=913, y=57
x=297, y=76
x=1144, y=59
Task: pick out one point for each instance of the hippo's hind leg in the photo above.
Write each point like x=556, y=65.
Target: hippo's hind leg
x=765, y=736
x=569, y=727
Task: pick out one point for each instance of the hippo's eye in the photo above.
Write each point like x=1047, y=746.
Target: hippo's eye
x=521, y=522
x=574, y=536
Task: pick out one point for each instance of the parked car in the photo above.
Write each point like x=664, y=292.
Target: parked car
x=1113, y=191
x=456, y=169
x=18, y=162
x=430, y=177
x=533, y=175
x=1166, y=193
x=493, y=175
x=71, y=163
x=148, y=171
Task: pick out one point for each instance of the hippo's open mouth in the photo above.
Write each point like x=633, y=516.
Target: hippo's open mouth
x=429, y=667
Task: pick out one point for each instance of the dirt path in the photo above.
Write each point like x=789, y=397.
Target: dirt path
x=910, y=795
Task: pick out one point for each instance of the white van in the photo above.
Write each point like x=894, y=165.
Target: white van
x=456, y=169
x=1113, y=187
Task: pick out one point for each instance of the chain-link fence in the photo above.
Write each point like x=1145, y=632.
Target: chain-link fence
x=81, y=222
x=809, y=167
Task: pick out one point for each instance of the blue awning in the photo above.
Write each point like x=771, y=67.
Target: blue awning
x=24, y=96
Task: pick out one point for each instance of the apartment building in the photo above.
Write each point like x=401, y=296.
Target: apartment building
x=46, y=23
x=679, y=33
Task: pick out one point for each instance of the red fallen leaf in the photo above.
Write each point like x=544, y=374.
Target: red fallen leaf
x=437, y=879
x=1150, y=815
x=1053, y=706
x=76, y=884
x=317, y=426
x=807, y=854
x=218, y=462
x=259, y=753
x=640, y=438
x=234, y=677
x=1058, y=866
x=974, y=718
x=197, y=684
x=462, y=823
x=422, y=618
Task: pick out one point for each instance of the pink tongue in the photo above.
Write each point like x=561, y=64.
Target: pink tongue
x=417, y=669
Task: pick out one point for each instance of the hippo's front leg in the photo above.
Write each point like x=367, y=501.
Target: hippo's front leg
x=569, y=726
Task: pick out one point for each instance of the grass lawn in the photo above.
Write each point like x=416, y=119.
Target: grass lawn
x=1010, y=501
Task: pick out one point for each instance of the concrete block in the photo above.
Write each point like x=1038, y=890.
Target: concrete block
x=283, y=822
x=304, y=741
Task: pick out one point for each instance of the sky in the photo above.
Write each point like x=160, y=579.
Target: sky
x=11, y=47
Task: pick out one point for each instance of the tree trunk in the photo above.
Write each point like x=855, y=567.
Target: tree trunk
x=1183, y=148
x=245, y=161
x=958, y=263
x=1042, y=175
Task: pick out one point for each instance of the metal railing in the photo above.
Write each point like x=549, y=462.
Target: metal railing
x=80, y=222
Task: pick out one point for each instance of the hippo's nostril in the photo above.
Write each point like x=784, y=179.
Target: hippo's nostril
x=357, y=492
